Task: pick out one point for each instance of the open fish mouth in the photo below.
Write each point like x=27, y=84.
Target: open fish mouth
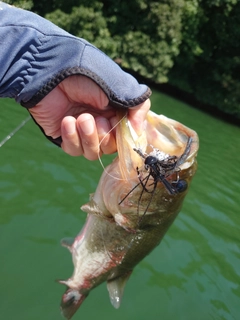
x=137, y=199
x=161, y=134
x=159, y=163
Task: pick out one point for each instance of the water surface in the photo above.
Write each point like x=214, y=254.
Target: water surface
x=193, y=274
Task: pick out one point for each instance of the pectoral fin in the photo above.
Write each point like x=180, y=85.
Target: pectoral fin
x=116, y=288
x=92, y=208
x=67, y=242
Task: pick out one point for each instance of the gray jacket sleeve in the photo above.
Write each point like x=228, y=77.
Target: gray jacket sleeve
x=36, y=56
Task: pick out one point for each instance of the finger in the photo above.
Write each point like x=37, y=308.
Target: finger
x=106, y=136
x=137, y=115
x=88, y=134
x=71, y=142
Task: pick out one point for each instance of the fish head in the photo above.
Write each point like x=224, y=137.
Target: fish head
x=125, y=191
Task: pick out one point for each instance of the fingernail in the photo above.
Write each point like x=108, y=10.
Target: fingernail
x=69, y=127
x=103, y=126
x=87, y=127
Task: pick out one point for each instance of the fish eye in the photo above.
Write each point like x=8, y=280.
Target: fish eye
x=181, y=186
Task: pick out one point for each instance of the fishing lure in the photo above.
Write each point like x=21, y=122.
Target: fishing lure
x=159, y=167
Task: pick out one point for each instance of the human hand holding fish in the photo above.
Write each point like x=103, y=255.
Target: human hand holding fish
x=138, y=196
x=74, y=92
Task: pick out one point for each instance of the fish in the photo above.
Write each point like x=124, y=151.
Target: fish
x=132, y=207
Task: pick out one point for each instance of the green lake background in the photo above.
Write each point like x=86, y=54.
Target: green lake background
x=193, y=274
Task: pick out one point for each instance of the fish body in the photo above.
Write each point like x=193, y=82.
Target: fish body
x=126, y=218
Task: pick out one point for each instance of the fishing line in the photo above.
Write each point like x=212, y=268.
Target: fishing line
x=133, y=136
x=9, y=136
x=104, y=137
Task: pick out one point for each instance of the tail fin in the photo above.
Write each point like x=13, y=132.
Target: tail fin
x=71, y=301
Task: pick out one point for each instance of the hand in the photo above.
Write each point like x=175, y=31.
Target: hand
x=78, y=111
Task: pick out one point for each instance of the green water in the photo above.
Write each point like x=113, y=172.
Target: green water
x=193, y=274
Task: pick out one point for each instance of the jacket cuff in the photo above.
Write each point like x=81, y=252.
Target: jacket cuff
x=114, y=99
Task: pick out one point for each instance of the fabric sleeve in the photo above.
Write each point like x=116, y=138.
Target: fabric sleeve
x=36, y=56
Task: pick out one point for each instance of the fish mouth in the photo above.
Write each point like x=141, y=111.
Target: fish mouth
x=164, y=134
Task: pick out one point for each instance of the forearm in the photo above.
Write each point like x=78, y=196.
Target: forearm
x=36, y=56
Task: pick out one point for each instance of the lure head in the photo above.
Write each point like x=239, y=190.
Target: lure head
x=150, y=161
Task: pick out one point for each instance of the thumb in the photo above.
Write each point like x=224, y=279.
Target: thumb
x=137, y=115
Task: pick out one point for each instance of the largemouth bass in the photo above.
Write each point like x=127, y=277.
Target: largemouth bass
x=138, y=197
